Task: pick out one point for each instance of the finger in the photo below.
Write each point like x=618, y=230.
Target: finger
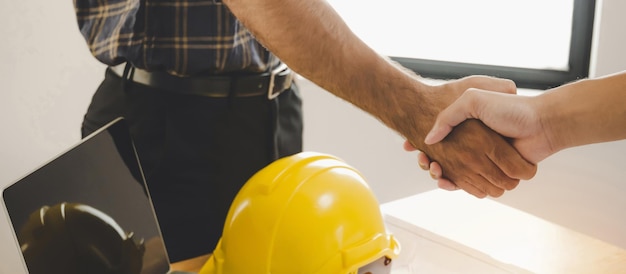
x=485, y=187
x=445, y=184
x=476, y=190
x=457, y=112
x=491, y=189
x=423, y=160
x=512, y=164
x=436, y=172
x=495, y=176
x=476, y=184
x=479, y=190
x=495, y=84
x=408, y=147
x=439, y=131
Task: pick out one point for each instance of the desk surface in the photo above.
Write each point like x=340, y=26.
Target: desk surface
x=453, y=231
x=191, y=265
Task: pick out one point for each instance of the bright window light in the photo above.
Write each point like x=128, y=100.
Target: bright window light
x=532, y=34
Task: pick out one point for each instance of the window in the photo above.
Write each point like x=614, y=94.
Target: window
x=536, y=43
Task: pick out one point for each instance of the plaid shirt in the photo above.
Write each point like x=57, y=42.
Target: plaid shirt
x=183, y=37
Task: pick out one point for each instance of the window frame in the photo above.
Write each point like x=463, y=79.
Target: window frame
x=578, y=63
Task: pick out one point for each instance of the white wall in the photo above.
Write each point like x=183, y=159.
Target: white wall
x=608, y=54
x=48, y=78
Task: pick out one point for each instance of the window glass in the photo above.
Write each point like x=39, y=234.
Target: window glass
x=519, y=33
x=534, y=36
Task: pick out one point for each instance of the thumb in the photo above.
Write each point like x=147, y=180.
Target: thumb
x=437, y=132
x=460, y=110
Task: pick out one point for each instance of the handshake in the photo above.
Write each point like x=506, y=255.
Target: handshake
x=488, y=138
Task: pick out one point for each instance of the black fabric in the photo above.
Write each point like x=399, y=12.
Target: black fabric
x=196, y=152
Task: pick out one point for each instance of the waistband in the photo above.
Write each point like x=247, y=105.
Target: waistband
x=269, y=84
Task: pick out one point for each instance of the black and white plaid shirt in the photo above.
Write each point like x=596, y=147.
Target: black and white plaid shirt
x=183, y=37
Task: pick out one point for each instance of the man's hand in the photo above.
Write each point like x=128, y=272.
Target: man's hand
x=475, y=158
x=513, y=116
x=516, y=117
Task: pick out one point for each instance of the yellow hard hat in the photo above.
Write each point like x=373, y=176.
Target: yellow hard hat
x=306, y=213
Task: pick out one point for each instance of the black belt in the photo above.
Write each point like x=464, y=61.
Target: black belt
x=270, y=83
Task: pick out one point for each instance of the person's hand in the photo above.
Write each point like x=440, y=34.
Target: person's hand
x=433, y=168
x=512, y=116
x=475, y=158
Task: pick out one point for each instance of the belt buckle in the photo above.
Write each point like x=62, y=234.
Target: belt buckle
x=270, y=89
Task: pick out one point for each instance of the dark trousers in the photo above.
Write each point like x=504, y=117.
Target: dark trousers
x=196, y=152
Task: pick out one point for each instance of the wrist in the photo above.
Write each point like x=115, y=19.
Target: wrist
x=416, y=112
x=555, y=122
x=399, y=98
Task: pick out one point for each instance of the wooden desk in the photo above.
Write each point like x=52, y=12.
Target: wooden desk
x=453, y=232
x=191, y=265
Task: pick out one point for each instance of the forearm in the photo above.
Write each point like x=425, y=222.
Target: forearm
x=585, y=112
x=315, y=42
